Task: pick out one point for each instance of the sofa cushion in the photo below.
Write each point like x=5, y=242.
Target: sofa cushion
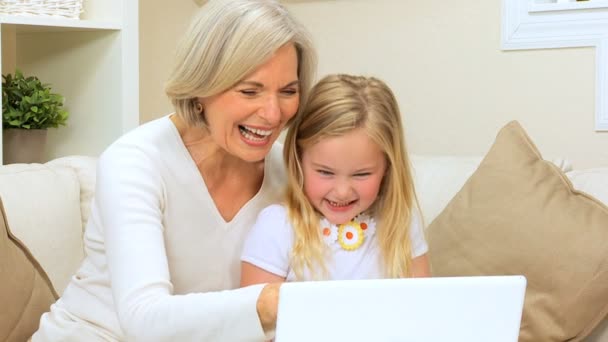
x=438, y=178
x=592, y=181
x=595, y=183
x=519, y=214
x=26, y=291
x=43, y=209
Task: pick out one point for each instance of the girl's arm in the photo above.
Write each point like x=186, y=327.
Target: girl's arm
x=251, y=274
x=421, y=266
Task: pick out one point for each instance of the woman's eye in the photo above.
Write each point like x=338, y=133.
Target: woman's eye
x=248, y=92
x=289, y=91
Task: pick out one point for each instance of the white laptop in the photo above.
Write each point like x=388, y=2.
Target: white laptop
x=471, y=309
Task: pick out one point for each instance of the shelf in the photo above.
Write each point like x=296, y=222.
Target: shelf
x=93, y=62
x=202, y=2
x=35, y=24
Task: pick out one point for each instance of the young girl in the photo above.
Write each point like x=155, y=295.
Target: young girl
x=350, y=209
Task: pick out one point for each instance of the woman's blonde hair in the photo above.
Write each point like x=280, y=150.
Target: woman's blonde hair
x=337, y=105
x=228, y=40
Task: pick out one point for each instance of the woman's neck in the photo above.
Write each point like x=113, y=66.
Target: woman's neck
x=215, y=164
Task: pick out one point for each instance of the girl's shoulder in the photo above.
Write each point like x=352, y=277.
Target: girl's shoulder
x=276, y=213
x=272, y=222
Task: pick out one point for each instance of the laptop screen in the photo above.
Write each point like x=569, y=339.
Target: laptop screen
x=483, y=308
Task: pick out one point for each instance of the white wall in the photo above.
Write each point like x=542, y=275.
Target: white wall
x=161, y=24
x=455, y=86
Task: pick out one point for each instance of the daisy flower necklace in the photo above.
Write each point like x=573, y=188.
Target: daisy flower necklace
x=350, y=235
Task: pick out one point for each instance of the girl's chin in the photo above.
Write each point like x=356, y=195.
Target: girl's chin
x=339, y=218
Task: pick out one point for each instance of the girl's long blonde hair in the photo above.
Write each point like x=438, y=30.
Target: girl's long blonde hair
x=337, y=105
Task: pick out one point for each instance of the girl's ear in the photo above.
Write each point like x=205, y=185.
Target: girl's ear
x=387, y=166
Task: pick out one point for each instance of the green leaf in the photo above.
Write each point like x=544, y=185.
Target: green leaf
x=29, y=103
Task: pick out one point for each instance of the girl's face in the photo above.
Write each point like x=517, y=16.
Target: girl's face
x=246, y=119
x=342, y=175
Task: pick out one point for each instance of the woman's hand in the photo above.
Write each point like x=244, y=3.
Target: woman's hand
x=267, y=306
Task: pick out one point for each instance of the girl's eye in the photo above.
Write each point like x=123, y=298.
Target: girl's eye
x=324, y=173
x=362, y=174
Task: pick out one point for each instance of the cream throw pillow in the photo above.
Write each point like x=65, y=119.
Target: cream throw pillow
x=518, y=214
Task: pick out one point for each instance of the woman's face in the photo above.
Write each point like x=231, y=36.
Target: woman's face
x=247, y=119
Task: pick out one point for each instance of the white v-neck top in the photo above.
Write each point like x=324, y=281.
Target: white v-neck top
x=159, y=252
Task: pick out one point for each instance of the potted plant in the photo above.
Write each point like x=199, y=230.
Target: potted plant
x=29, y=108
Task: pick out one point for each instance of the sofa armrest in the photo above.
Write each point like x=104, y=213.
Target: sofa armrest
x=42, y=204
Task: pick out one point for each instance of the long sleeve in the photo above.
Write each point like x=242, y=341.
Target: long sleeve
x=131, y=200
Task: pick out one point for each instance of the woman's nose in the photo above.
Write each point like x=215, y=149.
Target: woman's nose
x=271, y=110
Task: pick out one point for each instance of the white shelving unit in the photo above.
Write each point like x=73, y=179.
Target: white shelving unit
x=93, y=62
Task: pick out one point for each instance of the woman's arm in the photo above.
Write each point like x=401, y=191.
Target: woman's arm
x=130, y=199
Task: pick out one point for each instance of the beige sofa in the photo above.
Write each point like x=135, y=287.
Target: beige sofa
x=47, y=205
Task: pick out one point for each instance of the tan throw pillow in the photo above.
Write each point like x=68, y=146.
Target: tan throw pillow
x=25, y=290
x=518, y=214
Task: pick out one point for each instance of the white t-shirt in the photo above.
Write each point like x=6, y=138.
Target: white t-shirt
x=158, y=252
x=269, y=243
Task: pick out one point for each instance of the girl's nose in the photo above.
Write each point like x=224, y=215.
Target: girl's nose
x=343, y=189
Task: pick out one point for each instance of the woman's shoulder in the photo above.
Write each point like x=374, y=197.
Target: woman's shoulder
x=148, y=132
x=152, y=138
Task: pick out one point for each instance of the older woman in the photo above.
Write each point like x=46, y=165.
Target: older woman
x=176, y=196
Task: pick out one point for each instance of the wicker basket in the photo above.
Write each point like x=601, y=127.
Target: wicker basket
x=48, y=8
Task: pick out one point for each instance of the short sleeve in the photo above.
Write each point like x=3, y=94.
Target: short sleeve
x=419, y=245
x=269, y=241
